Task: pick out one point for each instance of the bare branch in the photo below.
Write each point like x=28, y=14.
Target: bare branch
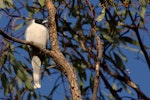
x=59, y=57
x=114, y=93
x=140, y=41
x=126, y=80
x=45, y=51
x=97, y=66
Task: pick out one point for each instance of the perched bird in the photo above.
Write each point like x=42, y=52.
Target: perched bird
x=37, y=33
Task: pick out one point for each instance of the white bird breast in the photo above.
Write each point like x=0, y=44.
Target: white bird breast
x=37, y=33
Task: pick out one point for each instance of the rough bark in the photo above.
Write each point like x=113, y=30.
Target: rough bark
x=97, y=66
x=59, y=57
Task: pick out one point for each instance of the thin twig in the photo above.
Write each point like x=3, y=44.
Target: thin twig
x=97, y=66
x=114, y=93
x=140, y=41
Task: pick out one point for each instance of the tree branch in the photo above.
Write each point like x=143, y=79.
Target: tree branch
x=55, y=53
x=140, y=41
x=127, y=81
x=97, y=66
x=45, y=51
x=59, y=57
x=114, y=93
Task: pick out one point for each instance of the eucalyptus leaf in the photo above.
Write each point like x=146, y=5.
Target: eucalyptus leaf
x=6, y=4
x=2, y=5
x=142, y=13
x=101, y=16
x=114, y=86
x=107, y=37
x=126, y=88
x=22, y=74
x=18, y=26
x=129, y=40
x=122, y=55
x=41, y=2
x=119, y=62
x=5, y=83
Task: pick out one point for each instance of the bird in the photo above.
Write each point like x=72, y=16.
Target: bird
x=36, y=32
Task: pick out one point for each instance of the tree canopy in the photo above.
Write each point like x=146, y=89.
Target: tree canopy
x=91, y=44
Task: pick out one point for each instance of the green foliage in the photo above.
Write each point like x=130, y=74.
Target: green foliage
x=6, y=4
x=101, y=16
x=42, y=2
x=18, y=26
x=5, y=83
x=142, y=13
x=23, y=75
x=119, y=62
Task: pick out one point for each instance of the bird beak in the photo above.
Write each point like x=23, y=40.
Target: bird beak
x=45, y=21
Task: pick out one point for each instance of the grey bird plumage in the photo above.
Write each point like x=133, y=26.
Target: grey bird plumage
x=37, y=33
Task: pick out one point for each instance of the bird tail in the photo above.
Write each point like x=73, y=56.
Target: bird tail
x=36, y=65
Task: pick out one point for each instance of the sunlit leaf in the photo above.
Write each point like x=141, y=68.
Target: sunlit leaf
x=42, y=2
x=142, y=13
x=6, y=4
x=109, y=96
x=101, y=16
x=122, y=56
x=131, y=49
x=2, y=5
x=19, y=81
x=18, y=26
x=107, y=37
x=107, y=34
x=114, y=86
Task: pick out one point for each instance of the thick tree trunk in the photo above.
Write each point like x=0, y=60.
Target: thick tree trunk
x=58, y=56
